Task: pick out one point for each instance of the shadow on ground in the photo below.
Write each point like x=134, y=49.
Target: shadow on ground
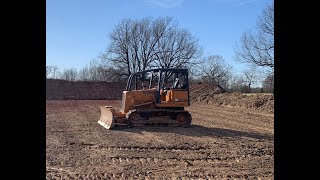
x=197, y=130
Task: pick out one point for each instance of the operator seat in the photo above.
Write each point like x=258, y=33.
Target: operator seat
x=176, y=82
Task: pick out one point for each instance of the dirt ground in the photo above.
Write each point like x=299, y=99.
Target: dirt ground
x=222, y=143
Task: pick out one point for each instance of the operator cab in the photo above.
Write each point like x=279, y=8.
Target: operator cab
x=168, y=84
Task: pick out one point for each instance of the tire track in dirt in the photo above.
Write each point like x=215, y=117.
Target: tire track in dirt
x=152, y=166
x=224, y=115
x=179, y=174
x=233, y=119
x=139, y=160
x=154, y=173
x=233, y=112
x=99, y=159
x=132, y=148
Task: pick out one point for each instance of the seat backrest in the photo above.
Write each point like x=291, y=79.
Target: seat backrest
x=176, y=82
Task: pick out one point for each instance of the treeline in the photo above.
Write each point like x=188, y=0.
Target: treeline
x=217, y=71
x=137, y=45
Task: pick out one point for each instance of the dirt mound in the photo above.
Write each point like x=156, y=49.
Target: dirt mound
x=202, y=91
x=262, y=102
x=63, y=90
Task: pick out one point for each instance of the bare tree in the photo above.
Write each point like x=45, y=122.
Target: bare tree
x=115, y=75
x=48, y=71
x=145, y=36
x=100, y=71
x=177, y=48
x=250, y=77
x=268, y=83
x=238, y=84
x=51, y=71
x=257, y=48
x=95, y=71
x=216, y=70
x=84, y=74
x=55, y=70
x=137, y=45
x=119, y=48
x=69, y=74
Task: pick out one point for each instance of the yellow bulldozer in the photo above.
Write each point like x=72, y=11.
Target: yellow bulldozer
x=152, y=97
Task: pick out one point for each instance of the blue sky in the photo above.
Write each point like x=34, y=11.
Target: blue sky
x=77, y=30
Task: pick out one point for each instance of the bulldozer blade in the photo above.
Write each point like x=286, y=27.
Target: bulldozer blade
x=107, y=118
